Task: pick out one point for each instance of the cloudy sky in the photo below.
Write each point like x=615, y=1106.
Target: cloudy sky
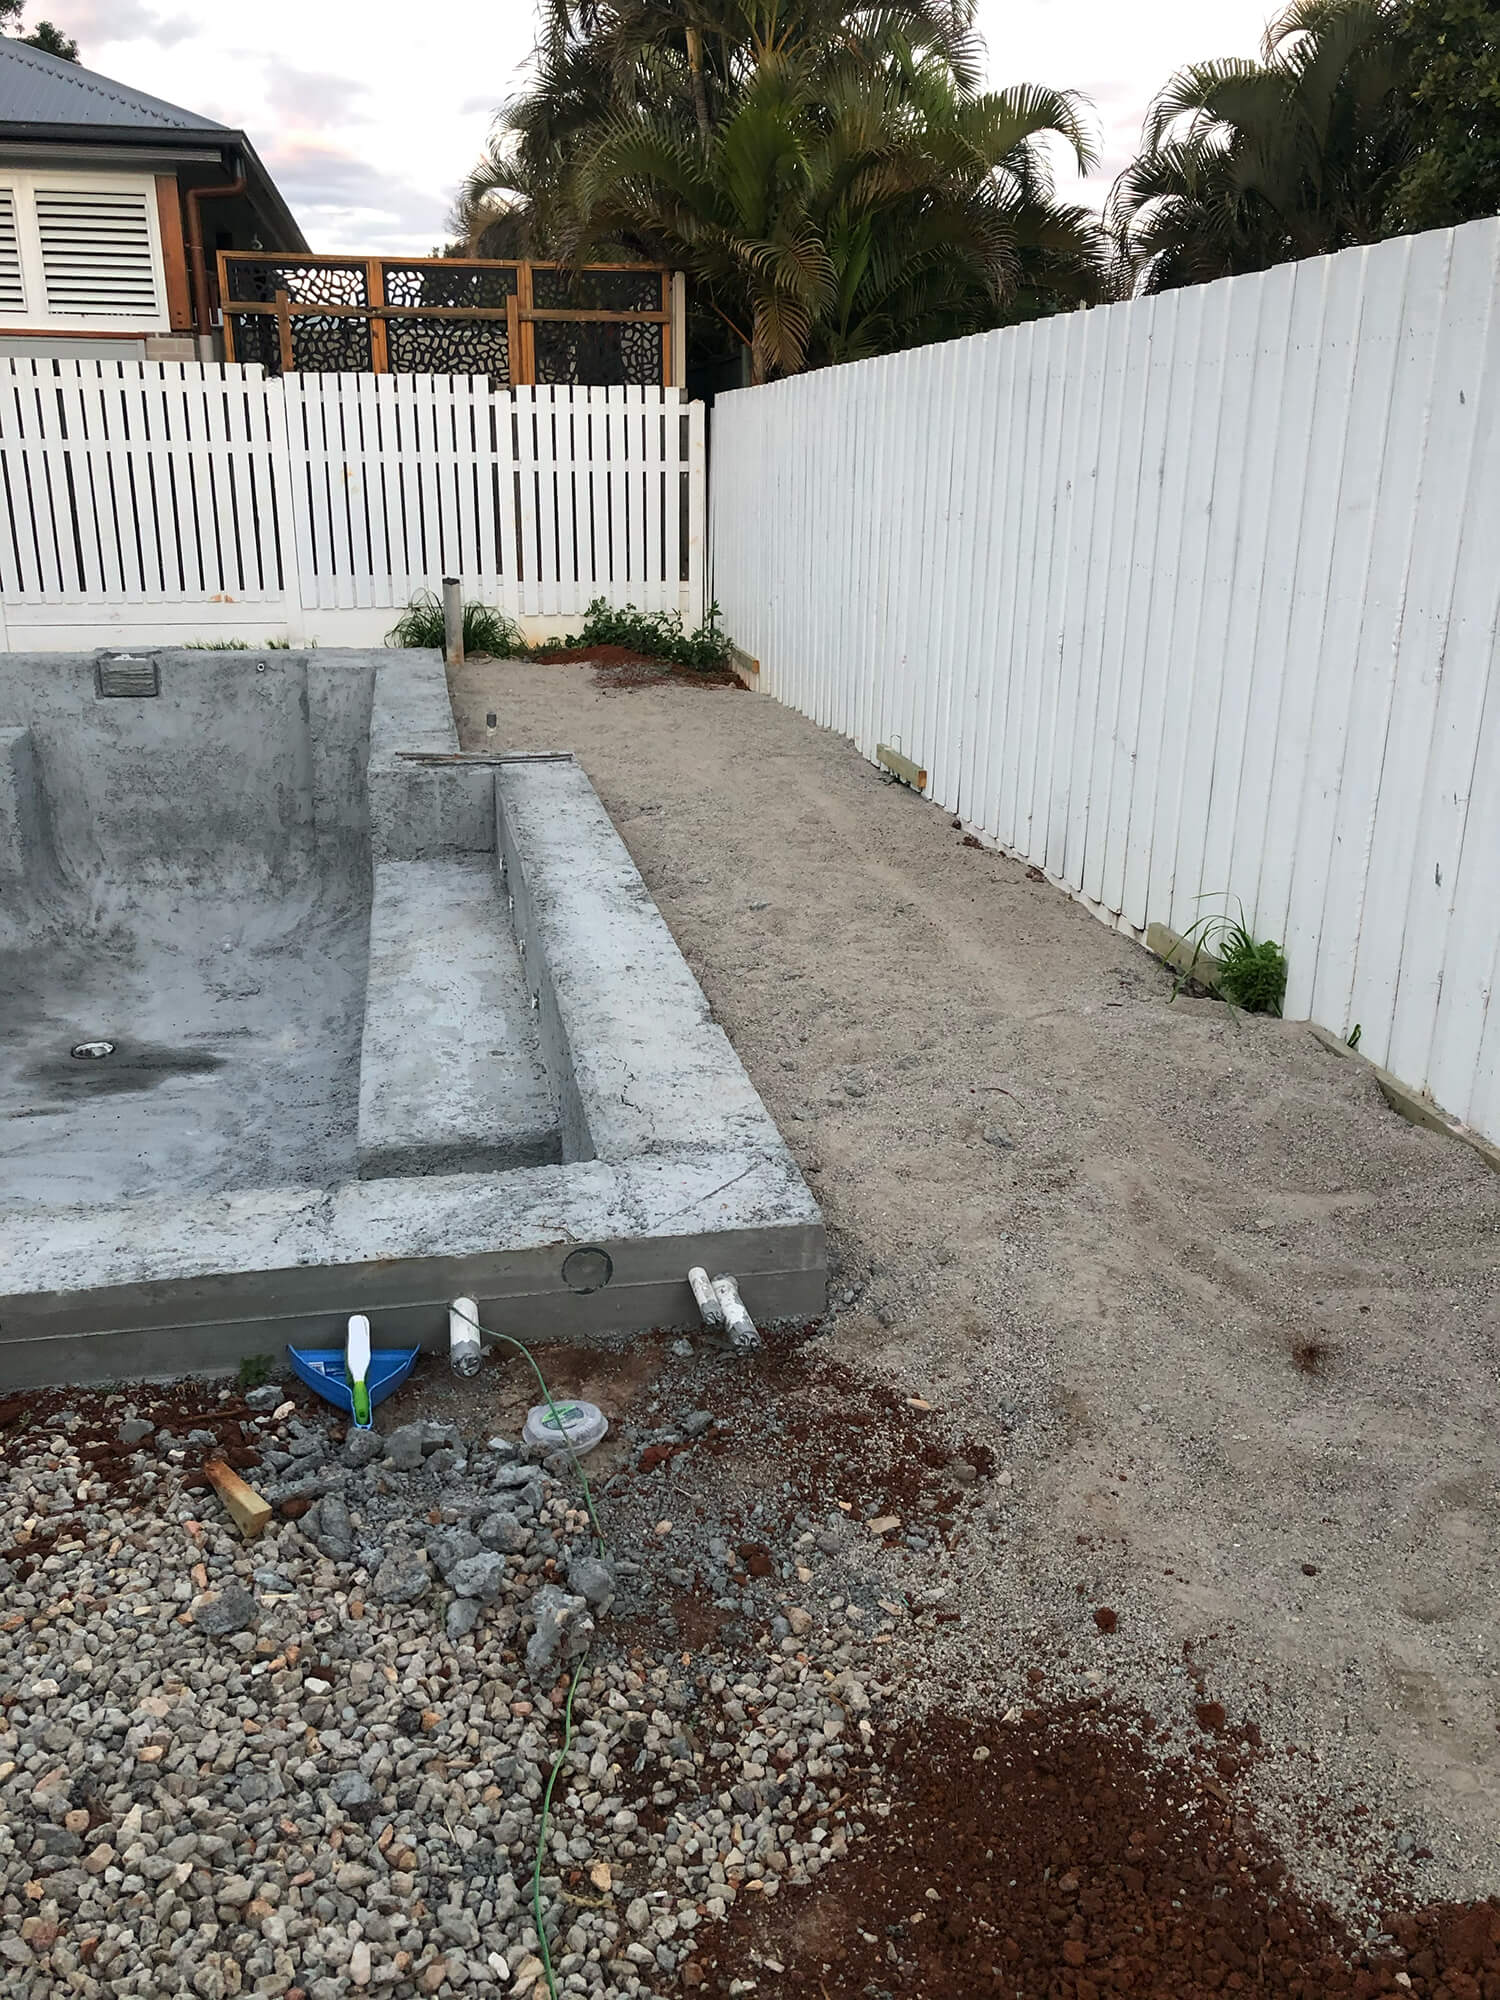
x=368, y=115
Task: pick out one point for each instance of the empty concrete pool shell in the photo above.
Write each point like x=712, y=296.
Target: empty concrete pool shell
x=302, y=1014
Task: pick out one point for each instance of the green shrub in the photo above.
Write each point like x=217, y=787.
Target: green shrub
x=658, y=635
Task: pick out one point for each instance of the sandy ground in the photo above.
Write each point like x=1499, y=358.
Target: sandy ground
x=1232, y=1325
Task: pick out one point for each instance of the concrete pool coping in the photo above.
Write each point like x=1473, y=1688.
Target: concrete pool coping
x=668, y=1156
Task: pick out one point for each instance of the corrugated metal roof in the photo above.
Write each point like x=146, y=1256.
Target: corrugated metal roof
x=38, y=89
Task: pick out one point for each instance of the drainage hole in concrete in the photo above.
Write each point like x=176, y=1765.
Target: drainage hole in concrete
x=587, y=1269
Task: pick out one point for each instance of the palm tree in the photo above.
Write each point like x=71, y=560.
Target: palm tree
x=831, y=177
x=681, y=62
x=1246, y=164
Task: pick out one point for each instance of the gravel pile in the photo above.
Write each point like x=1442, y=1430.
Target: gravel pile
x=314, y=1763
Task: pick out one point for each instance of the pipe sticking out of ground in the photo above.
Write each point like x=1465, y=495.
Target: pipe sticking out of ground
x=708, y=1299
x=463, y=1337
x=743, y=1337
x=453, y=621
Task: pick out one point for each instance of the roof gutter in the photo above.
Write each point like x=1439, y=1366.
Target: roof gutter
x=159, y=158
x=196, y=196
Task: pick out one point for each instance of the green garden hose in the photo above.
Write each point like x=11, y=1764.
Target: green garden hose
x=567, y=1743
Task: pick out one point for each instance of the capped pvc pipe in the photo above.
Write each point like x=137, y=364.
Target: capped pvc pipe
x=707, y=1297
x=463, y=1337
x=743, y=1337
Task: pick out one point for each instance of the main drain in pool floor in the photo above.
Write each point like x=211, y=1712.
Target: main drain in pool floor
x=104, y=1067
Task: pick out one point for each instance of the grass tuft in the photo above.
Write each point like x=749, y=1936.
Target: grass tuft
x=486, y=630
x=239, y=646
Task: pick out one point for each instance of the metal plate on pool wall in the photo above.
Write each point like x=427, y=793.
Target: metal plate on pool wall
x=127, y=676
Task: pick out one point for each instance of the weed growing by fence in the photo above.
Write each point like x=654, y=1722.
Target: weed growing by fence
x=1254, y=975
x=486, y=630
x=1252, y=972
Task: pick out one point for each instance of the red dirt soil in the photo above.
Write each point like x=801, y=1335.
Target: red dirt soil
x=618, y=668
x=1067, y=1863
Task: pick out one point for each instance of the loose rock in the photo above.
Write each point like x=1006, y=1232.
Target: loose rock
x=563, y=1628
x=233, y=1610
x=402, y=1577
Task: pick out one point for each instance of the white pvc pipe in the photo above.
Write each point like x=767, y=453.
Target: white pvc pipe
x=463, y=1337
x=742, y=1334
x=707, y=1297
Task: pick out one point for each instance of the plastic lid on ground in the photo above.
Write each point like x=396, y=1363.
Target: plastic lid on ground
x=581, y=1425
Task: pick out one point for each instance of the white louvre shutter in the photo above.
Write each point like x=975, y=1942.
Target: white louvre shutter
x=97, y=254
x=12, y=287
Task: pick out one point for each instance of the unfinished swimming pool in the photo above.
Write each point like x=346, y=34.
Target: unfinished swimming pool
x=303, y=1013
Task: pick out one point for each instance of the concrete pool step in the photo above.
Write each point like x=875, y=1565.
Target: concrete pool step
x=450, y=1074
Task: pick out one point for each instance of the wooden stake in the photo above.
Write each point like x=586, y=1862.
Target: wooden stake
x=677, y=377
x=250, y=1511
x=284, y=332
x=526, y=373
x=513, y=338
x=380, y=359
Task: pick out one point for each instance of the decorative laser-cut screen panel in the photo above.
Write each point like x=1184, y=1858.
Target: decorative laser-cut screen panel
x=440, y=316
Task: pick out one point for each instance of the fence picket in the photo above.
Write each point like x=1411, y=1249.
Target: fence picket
x=183, y=490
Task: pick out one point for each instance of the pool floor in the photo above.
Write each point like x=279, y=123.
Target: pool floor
x=236, y=1062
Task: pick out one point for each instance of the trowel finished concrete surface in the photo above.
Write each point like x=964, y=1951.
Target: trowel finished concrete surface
x=301, y=1015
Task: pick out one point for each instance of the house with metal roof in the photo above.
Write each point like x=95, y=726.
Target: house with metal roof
x=113, y=207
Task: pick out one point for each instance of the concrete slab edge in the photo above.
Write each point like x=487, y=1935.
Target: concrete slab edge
x=637, y=1062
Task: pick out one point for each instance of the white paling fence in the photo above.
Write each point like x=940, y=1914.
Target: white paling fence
x=169, y=500
x=1187, y=597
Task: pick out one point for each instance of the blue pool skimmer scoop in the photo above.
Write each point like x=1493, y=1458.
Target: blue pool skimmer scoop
x=354, y=1378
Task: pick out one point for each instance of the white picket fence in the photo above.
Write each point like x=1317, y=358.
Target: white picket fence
x=169, y=500
x=1190, y=597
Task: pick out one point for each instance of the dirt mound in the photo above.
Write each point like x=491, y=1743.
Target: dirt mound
x=618, y=668
x=599, y=656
